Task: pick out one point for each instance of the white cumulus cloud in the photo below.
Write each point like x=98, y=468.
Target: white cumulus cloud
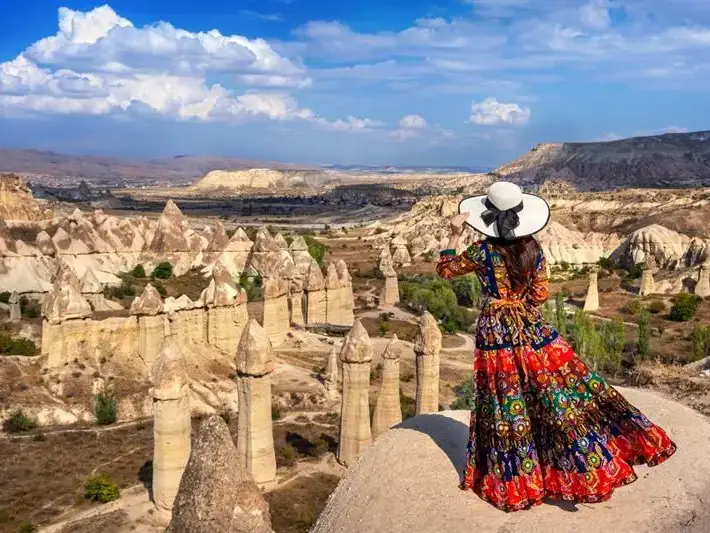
x=491, y=112
x=413, y=122
x=595, y=14
x=100, y=63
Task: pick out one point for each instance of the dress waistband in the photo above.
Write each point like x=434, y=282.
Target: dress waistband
x=499, y=303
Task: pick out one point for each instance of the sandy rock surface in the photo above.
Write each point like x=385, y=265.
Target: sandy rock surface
x=408, y=482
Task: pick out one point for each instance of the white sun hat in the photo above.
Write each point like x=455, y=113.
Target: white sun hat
x=506, y=212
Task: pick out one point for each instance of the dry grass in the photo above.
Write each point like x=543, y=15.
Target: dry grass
x=43, y=476
x=295, y=507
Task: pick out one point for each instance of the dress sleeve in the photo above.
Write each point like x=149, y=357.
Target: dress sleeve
x=470, y=260
x=539, y=291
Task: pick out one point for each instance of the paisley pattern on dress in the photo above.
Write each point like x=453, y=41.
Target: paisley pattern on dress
x=543, y=425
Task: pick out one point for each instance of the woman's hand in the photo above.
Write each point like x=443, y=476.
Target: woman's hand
x=457, y=226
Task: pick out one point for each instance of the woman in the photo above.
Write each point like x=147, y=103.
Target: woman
x=544, y=424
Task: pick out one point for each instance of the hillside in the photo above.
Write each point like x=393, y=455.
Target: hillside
x=116, y=171
x=262, y=178
x=670, y=160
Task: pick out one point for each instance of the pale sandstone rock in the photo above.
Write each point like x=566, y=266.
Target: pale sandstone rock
x=401, y=256
x=171, y=424
x=64, y=301
x=15, y=309
x=216, y=494
x=648, y=284
x=332, y=375
x=355, y=431
x=90, y=284
x=295, y=302
x=16, y=201
x=389, y=296
x=427, y=348
x=277, y=322
x=302, y=259
x=591, y=302
x=315, y=293
x=347, y=301
x=425, y=497
x=170, y=235
x=702, y=287
x=255, y=441
x=388, y=411
x=45, y=244
x=149, y=303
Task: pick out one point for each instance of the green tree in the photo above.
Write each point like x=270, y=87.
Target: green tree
x=163, y=270
x=613, y=336
x=586, y=340
x=643, y=319
x=560, y=314
x=99, y=488
x=465, y=395
x=106, y=407
x=467, y=289
x=701, y=342
x=548, y=312
x=139, y=271
x=685, y=307
x=316, y=248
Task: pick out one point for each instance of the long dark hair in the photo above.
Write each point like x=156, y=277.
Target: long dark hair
x=520, y=256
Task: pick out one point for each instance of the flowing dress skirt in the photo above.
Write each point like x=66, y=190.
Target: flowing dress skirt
x=545, y=425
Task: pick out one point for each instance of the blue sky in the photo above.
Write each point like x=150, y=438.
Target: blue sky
x=453, y=82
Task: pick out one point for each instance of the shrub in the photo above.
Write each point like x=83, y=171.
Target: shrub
x=564, y=266
x=644, y=323
x=465, y=395
x=163, y=270
x=124, y=290
x=635, y=271
x=605, y=263
x=701, y=342
x=252, y=286
x=407, y=376
x=275, y=413
x=685, y=307
x=10, y=346
x=106, y=407
x=656, y=306
x=613, y=337
x=376, y=372
x=316, y=248
x=138, y=271
x=99, y=488
x=429, y=293
x=632, y=307
x=28, y=528
x=5, y=297
x=18, y=422
x=548, y=312
x=30, y=308
x=383, y=328
x=409, y=406
x=161, y=289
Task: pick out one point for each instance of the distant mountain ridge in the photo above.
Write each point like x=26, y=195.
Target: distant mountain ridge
x=669, y=160
x=100, y=169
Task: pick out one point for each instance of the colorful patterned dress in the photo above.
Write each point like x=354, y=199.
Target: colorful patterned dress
x=543, y=424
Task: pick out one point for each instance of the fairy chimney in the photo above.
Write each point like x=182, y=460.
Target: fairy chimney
x=217, y=494
x=702, y=287
x=388, y=411
x=389, y=296
x=255, y=438
x=427, y=348
x=171, y=424
x=591, y=302
x=355, y=431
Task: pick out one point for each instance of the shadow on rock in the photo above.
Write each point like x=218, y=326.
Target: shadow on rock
x=448, y=434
